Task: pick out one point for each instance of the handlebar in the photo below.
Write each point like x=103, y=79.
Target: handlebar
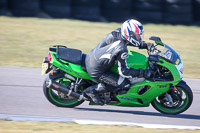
x=153, y=50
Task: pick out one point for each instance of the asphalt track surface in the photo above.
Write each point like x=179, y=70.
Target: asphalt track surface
x=21, y=94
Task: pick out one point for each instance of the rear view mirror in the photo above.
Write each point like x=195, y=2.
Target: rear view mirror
x=154, y=38
x=157, y=40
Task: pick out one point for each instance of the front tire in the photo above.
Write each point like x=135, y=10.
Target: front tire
x=182, y=100
x=54, y=97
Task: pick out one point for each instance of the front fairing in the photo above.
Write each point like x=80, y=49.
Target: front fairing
x=169, y=59
x=171, y=55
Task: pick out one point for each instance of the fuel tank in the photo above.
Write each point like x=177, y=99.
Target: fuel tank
x=135, y=60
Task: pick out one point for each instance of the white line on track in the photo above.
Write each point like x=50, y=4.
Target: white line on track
x=95, y=122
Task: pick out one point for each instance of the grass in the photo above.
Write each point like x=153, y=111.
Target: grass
x=25, y=41
x=66, y=127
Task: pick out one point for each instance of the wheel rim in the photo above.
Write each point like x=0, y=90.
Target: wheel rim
x=57, y=98
x=181, y=100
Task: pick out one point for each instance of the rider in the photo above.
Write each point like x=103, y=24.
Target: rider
x=113, y=49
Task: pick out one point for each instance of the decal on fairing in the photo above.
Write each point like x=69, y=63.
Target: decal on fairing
x=65, y=69
x=128, y=99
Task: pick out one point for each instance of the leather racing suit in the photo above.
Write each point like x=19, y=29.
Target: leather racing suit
x=112, y=49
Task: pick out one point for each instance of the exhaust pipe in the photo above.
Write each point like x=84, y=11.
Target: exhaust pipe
x=58, y=87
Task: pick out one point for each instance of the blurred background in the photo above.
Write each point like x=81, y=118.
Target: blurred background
x=29, y=27
x=148, y=11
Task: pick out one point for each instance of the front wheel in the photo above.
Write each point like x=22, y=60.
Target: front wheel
x=182, y=98
x=57, y=98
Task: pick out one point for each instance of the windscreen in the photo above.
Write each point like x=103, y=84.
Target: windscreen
x=170, y=54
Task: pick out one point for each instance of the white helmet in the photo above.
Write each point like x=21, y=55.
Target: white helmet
x=132, y=31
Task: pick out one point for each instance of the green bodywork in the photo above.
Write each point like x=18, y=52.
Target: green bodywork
x=73, y=69
x=131, y=98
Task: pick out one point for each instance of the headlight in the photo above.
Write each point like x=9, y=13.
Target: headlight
x=177, y=61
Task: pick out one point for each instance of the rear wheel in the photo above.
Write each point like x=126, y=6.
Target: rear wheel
x=57, y=98
x=182, y=98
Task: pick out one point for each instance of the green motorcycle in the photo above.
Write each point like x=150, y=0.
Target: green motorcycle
x=165, y=90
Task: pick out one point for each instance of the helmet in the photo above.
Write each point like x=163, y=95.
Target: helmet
x=132, y=31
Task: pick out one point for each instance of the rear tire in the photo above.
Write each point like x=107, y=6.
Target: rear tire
x=53, y=97
x=182, y=99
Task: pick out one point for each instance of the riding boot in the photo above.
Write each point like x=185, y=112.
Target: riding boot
x=93, y=93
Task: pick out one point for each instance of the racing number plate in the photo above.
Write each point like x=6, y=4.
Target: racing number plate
x=44, y=68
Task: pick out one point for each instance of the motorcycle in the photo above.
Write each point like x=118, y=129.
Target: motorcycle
x=165, y=90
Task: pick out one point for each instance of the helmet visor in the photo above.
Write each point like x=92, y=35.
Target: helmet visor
x=139, y=37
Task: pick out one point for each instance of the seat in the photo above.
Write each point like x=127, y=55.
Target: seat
x=74, y=56
x=70, y=55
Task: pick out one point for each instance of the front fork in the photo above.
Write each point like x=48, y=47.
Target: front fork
x=169, y=98
x=167, y=95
